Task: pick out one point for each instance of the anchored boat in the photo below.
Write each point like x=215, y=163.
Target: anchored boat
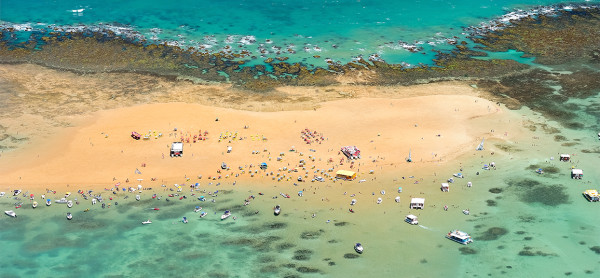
x=358, y=248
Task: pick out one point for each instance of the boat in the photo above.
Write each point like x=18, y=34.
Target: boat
x=466, y=211
x=147, y=222
x=184, y=220
x=69, y=216
x=225, y=215
x=137, y=197
x=34, y=204
x=69, y=204
x=10, y=213
x=591, y=195
x=411, y=219
x=379, y=200
x=459, y=236
x=204, y=213
x=48, y=202
x=197, y=209
x=459, y=175
x=277, y=210
x=61, y=201
x=358, y=248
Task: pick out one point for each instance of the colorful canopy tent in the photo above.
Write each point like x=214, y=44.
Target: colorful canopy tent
x=345, y=174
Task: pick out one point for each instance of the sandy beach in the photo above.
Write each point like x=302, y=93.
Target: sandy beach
x=99, y=152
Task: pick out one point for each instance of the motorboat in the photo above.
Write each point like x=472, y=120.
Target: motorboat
x=34, y=204
x=61, y=201
x=225, y=215
x=197, y=209
x=10, y=213
x=459, y=236
x=48, y=202
x=137, y=197
x=277, y=210
x=358, y=248
x=591, y=195
x=459, y=175
x=184, y=220
x=466, y=211
x=147, y=222
x=69, y=216
x=353, y=202
x=379, y=200
x=411, y=219
x=69, y=204
x=204, y=213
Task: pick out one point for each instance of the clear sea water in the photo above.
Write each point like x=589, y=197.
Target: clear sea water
x=533, y=226
x=338, y=30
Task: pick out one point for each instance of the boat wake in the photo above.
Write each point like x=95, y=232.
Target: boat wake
x=426, y=228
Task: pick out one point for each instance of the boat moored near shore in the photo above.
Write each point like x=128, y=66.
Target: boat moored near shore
x=591, y=195
x=10, y=213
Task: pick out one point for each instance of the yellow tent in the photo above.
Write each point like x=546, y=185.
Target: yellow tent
x=345, y=174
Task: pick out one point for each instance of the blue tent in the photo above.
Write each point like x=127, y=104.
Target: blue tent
x=263, y=165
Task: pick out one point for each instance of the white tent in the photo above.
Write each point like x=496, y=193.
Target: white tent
x=445, y=187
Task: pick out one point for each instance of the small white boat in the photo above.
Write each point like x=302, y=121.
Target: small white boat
x=459, y=236
x=466, y=211
x=137, y=197
x=277, y=210
x=48, y=202
x=358, y=248
x=34, y=204
x=184, y=220
x=353, y=202
x=379, y=200
x=10, y=213
x=204, y=213
x=69, y=216
x=147, y=222
x=197, y=209
x=411, y=219
x=69, y=204
x=225, y=215
x=61, y=201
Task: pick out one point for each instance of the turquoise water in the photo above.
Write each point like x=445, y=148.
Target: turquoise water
x=338, y=30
